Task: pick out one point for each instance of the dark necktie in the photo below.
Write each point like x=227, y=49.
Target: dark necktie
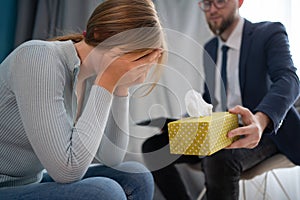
x=224, y=78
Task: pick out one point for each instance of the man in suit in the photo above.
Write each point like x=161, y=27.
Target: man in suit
x=249, y=71
x=260, y=85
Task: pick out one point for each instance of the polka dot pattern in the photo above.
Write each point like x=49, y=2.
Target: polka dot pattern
x=201, y=135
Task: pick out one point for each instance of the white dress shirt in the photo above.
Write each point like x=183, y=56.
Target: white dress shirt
x=233, y=84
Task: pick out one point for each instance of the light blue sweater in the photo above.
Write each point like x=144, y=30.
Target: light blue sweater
x=38, y=106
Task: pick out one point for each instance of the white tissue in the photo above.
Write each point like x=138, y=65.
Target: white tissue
x=196, y=106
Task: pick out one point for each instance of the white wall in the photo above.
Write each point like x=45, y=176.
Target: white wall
x=284, y=11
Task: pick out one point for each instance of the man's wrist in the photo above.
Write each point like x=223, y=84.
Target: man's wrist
x=262, y=119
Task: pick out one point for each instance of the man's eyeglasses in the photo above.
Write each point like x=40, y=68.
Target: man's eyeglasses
x=205, y=5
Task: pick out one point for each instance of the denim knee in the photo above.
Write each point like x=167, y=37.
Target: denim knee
x=99, y=188
x=93, y=188
x=138, y=169
x=142, y=179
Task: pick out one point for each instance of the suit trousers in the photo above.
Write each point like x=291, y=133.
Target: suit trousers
x=222, y=170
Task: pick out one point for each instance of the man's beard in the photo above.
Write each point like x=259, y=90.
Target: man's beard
x=223, y=26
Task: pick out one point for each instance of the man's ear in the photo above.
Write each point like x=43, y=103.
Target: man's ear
x=241, y=3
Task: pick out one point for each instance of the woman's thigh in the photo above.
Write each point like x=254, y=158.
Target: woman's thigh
x=129, y=180
x=89, y=189
x=134, y=178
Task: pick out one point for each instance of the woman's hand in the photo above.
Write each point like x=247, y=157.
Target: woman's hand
x=126, y=71
x=251, y=132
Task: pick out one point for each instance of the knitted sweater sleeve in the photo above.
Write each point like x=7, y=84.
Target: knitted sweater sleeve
x=64, y=149
x=114, y=143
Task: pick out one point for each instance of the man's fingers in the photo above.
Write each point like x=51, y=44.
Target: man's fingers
x=244, y=112
x=245, y=142
x=238, y=132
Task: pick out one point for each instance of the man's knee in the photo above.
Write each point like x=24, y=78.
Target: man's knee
x=220, y=164
x=155, y=142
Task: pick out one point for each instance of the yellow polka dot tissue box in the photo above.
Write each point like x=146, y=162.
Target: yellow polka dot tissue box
x=201, y=135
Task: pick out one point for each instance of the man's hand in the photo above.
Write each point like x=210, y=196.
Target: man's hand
x=251, y=132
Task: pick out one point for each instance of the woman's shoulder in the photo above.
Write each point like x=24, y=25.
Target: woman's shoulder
x=59, y=51
x=36, y=54
x=34, y=49
x=34, y=45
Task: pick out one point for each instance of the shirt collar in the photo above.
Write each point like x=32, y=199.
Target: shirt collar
x=235, y=38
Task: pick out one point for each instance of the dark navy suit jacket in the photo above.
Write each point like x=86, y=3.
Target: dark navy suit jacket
x=268, y=81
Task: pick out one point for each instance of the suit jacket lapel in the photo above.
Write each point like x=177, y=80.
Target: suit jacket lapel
x=212, y=50
x=210, y=59
x=245, y=46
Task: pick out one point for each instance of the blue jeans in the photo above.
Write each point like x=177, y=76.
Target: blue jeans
x=223, y=169
x=100, y=182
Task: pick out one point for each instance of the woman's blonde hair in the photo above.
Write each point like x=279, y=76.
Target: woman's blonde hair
x=132, y=25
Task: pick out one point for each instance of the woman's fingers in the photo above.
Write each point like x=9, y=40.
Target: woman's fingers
x=148, y=58
x=140, y=55
x=134, y=56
